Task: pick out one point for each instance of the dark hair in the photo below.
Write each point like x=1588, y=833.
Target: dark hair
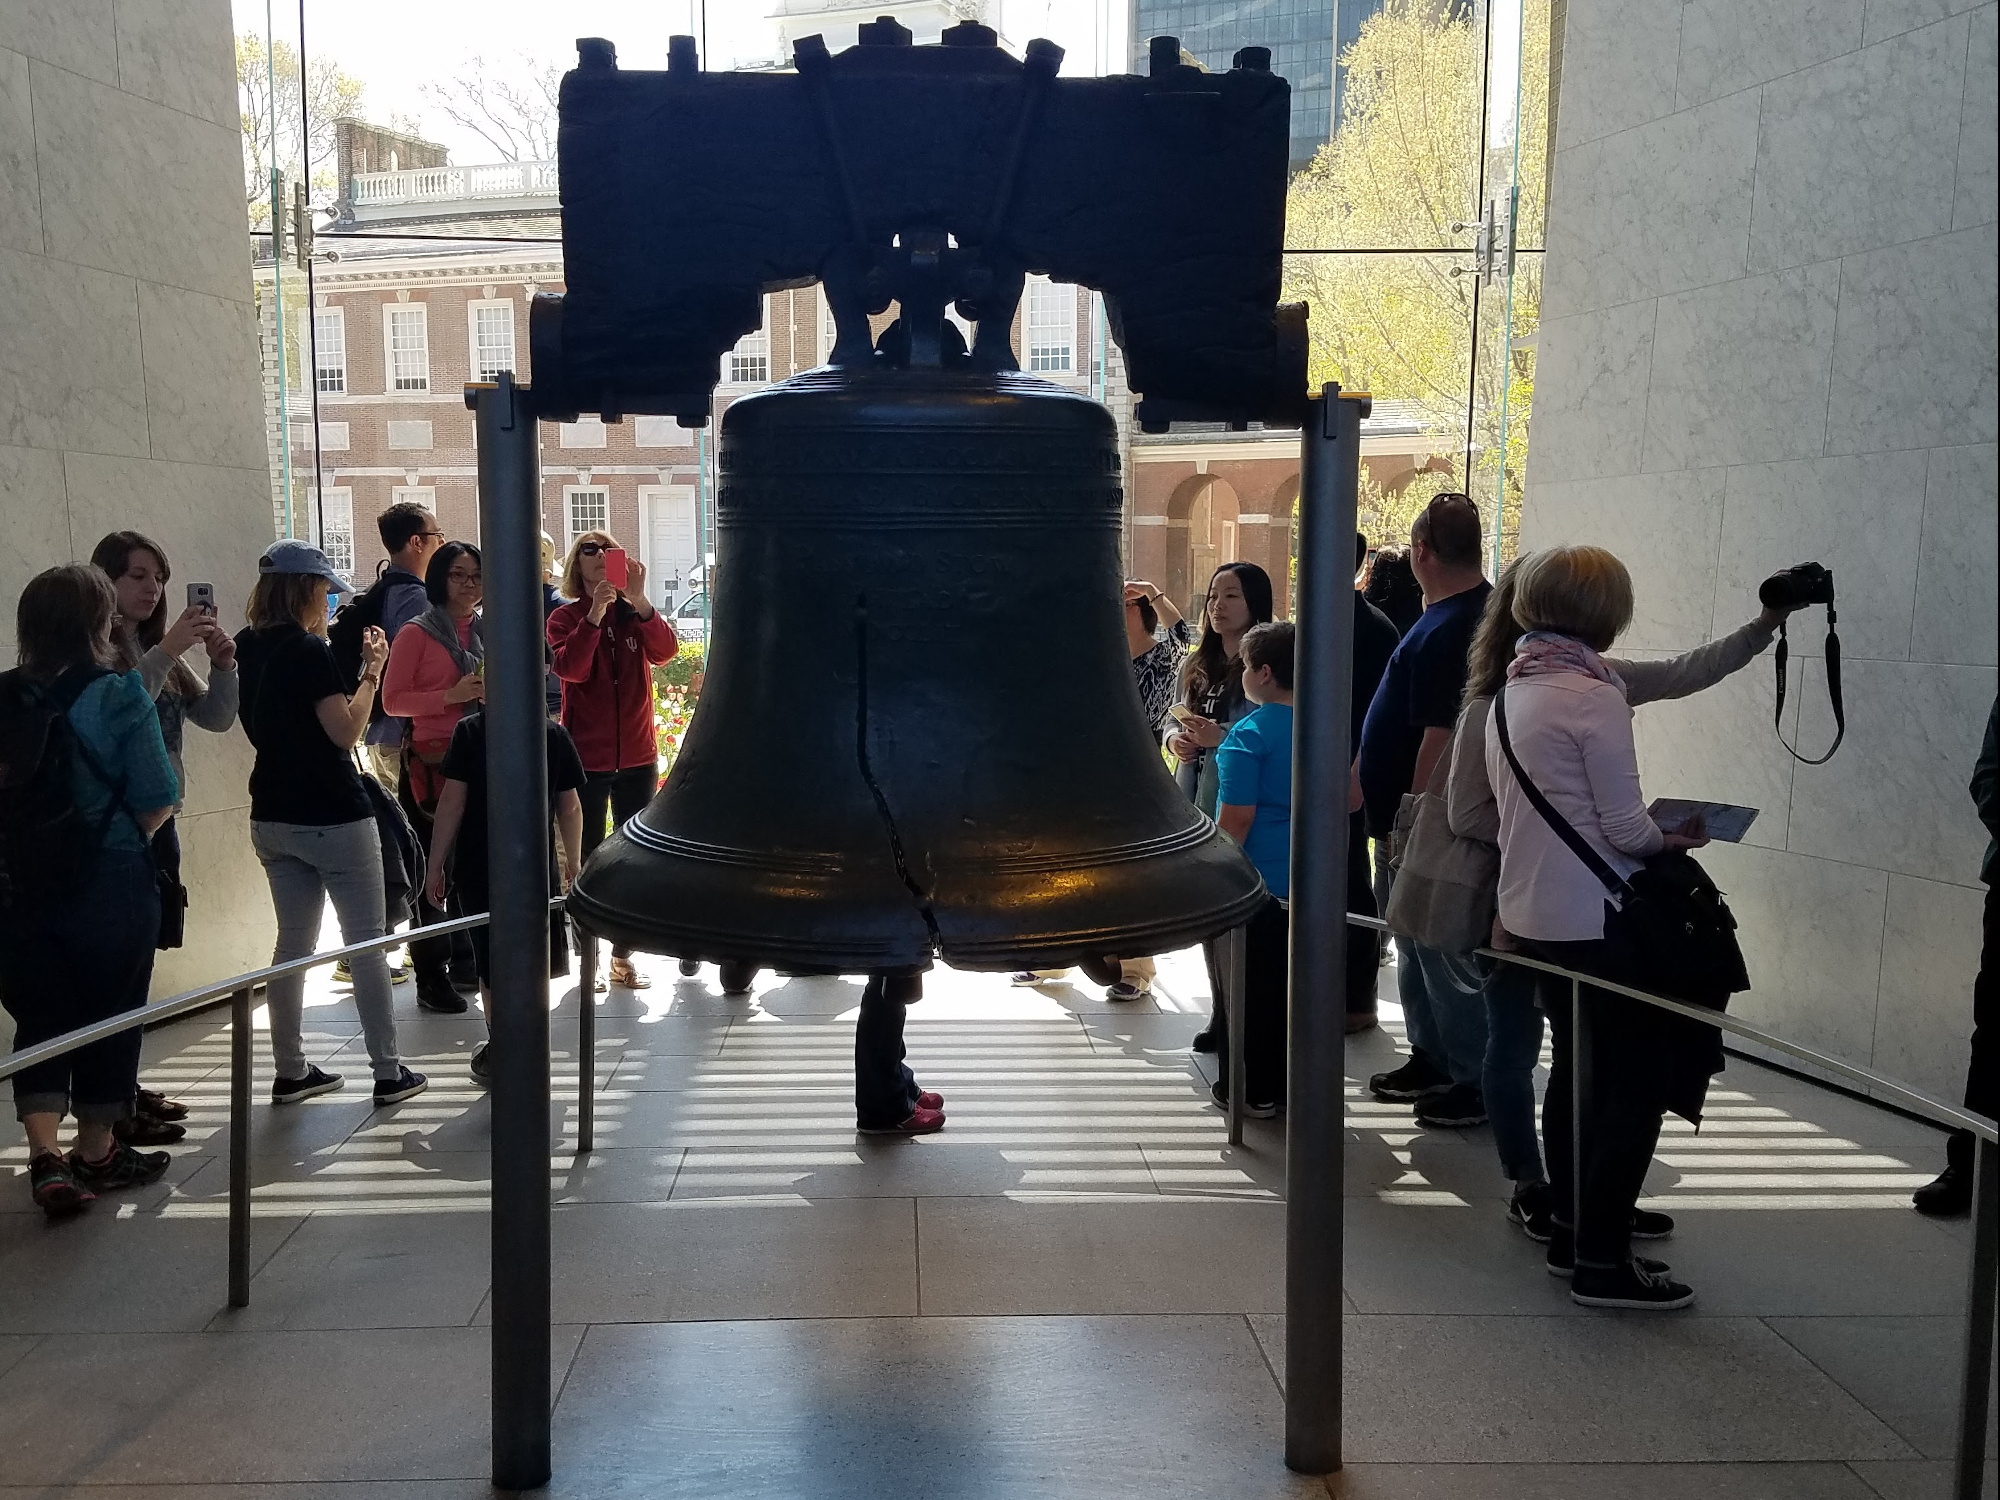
x=64, y=620
x=1393, y=587
x=402, y=523
x=1149, y=617
x=1272, y=645
x=114, y=556
x=1450, y=527
x=1207, y=666
x=1360, y=550
x=437, y=576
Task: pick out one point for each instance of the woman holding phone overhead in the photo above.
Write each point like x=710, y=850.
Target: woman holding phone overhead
x=606, y=642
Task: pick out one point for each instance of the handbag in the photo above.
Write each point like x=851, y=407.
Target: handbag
x=1668, y=920
x=1446, y=886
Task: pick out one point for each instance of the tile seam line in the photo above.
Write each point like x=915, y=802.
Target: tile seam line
x=119, y=88
x=1841, y=1386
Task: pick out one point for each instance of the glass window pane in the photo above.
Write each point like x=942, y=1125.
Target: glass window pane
x=330, y=351
x=492, y=338
x=588, y=510
x=409, y=348
x=1050, y=326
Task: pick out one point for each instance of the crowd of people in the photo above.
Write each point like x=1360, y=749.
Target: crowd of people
x=1497, y=700
x=367, y=793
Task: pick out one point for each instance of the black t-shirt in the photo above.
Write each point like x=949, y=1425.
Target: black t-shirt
x=1375, y=638
x=300, y=775
x=465, y=761
x=1420, y=690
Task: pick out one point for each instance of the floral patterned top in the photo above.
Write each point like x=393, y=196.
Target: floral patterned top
x=1158, y=672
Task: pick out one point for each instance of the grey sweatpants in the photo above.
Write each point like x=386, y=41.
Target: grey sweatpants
x=306, y=865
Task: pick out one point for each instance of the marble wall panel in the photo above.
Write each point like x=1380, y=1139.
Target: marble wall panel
x=131, y=186
x=1618, y=67
x=1670, y=206
x=1811, y=931
x=1930, y=952
x=1894, y=795
x=1728, y=45
x=1957, y=616
x=78, y=35
x=1975, y=201
x=1886, y=18
x=1591, y=373
x=1718, y=745
x=214, y=521
x=1740, y=371
x=202, y=374
x=20, y=194
x=1665, y=527
x=217, y=765
x=69, y=364
x=34, y=527
x=1860, y=151
x=230, y=923
x=1860, y=516
x=179, y=55
x=1913, y=361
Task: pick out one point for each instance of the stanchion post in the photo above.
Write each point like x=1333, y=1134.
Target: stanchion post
x=1975, y=1385
x=1576, y=1084
x=518, y=936
x=1315, y=1126
x=586, y=1043
x=241, y=1057
x=1232, y=1024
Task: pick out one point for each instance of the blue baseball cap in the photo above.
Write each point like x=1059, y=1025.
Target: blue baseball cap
x=291, y=556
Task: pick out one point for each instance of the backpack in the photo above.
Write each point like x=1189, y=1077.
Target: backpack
x=48, y=845
x=343, y=636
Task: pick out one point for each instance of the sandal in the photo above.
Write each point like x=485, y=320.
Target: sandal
x=160, y=1107
x=627, y=977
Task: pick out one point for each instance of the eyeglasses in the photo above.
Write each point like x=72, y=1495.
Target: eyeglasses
x=457, y=575
x=590, y=549
x=426, y=535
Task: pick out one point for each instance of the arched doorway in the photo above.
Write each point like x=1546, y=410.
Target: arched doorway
x=1202, y=534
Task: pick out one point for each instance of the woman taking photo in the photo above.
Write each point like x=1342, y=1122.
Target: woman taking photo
x=76, y=940
x=146, y=642
x=606, y=641
x=435, y=673
x=1239, y=596
x=311, y=822
x=1562, y=717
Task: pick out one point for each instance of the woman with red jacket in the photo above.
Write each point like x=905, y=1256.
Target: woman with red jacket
x=607, y=641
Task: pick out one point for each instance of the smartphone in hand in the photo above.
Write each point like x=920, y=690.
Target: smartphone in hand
x=1183, y=715
x=615, y=569
x=201, y=596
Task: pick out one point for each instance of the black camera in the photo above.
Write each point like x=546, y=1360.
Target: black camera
x=1795, y=588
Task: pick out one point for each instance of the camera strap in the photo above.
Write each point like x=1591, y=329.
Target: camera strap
x=1832, y=692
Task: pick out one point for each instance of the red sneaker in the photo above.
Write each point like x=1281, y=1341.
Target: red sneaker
x=928, y=1100
x=921, y=1122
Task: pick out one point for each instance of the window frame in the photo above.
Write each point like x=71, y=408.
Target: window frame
x=1039, y=359
x=473, y=308
x=389, y=376
x=755, y=345
x=323, y=318
x=330, y=497
x=571, y=530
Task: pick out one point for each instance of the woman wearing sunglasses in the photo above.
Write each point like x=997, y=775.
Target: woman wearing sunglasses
x=606, y=642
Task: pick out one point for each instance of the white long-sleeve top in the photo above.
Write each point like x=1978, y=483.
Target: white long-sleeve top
x=1573, y=735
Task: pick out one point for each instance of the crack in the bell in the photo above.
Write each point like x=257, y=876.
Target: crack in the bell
x=896, y=852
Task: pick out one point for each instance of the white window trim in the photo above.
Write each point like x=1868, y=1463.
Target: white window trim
x=316, y=354
x=1065, y=295
x=389, y=311
x=472, y=309
x=744, y=348
x=331, y=499
x=425, y=495
x=571, y=531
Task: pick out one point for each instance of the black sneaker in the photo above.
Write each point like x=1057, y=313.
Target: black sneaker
x=440, y=996
x=481, y=1065
x=1948, y=1196
x=396, y=1090
x=1413, y=1080
x=1641, y=1285
x=123, y=1168
x=145, y=1130
x=316, y=1081
x=55, y=1186
x=1648, y=1225
x=1204, y=1040
x=1459, y=1105
x=1251, y=1109
x=1530, y=1210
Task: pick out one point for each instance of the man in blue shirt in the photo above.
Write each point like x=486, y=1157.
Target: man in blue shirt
x=1406, y=734
x=1253, y=805
x=410, y=536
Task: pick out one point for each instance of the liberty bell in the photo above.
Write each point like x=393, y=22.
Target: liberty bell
x=919, y=735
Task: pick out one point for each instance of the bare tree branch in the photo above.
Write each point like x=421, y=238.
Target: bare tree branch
x=512, y=109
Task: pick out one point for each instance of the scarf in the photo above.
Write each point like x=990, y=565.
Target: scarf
x=1541, y=652
x=437, y=623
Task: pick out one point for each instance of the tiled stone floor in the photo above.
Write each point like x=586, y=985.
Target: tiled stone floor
x=1075, y=1291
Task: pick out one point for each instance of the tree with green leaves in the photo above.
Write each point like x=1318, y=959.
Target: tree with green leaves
x=283, y=128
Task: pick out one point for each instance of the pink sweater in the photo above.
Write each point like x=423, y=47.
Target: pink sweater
x=414, y=684
x=1573, y=735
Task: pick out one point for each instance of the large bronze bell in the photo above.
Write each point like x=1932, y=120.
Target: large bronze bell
x=919, y=735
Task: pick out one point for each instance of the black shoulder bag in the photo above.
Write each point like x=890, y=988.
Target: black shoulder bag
x=1676, y=934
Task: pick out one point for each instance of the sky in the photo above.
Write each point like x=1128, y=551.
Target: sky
x=395, y=46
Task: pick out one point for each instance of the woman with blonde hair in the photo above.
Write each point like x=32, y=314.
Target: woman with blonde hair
x=1513, y=1020
x=606, y=642
x=312, y=824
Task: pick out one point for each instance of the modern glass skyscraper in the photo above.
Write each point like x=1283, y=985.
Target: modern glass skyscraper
x=1305, y=36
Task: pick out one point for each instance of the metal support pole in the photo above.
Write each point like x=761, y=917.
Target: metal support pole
x=1975, y=1389
x=1315, y=1125
x=1233, y=942
x=1575, y=1115
x=240, y=1058
x=518, y=840
x=586, y=1043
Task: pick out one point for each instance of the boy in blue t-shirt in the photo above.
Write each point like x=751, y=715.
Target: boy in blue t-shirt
x=1254, y=807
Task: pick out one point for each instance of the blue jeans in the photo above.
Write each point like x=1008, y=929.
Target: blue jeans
x=1513, y=1047
x=1444, y=1008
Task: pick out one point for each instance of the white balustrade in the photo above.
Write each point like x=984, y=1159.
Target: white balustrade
x=507, y=179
